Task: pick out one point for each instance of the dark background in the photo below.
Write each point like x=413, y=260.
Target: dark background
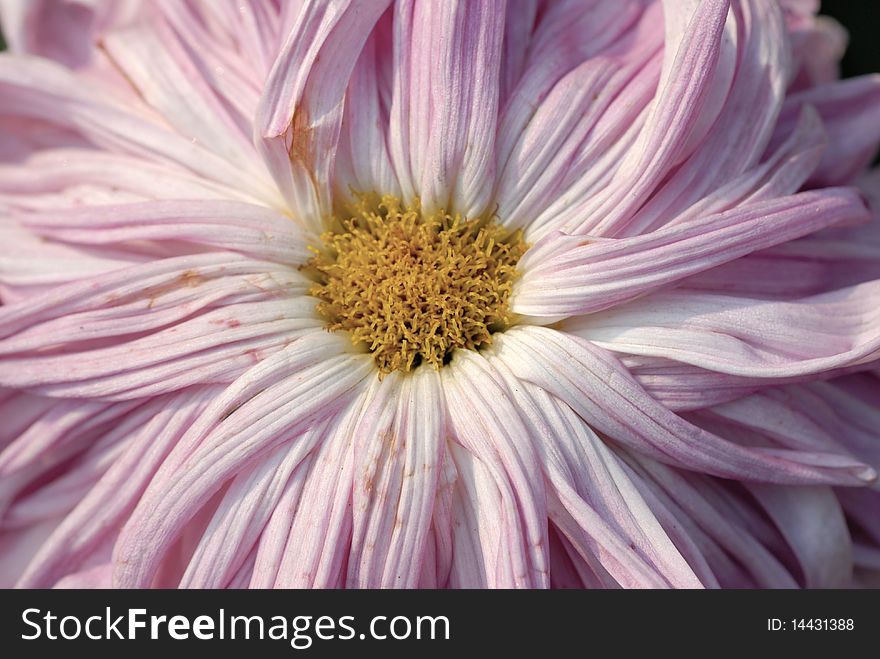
x=860, y=17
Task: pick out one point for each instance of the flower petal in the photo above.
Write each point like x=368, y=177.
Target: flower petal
x=247, y=505
x=51, y=177
x=312, y=540
x=576, y=122
x=565, y=36
x=277, y=399
x=477, y=525
x=594, y=384
x=157, y=65
x=746, y=116
x=396, y=478
x=482, y=420
x=729, y=546
x=744, y=336
x=38, y=89
x=363, y=163
x=252, y=230
x=850, y=111
x=812, y=522
x=301, y=109
x=569, y=275
x=693, y=62
x=578, y=463
x=104, y=509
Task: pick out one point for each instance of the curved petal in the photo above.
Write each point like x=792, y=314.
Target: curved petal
x=576, y=462
x=812, y=522
x=444, y=104
x=363, y=163
x=397, y=451
x=572, y=275
x=476, y=524
x=745, y=121
x=41, y=90
x=744, y=336
x=595, y=385
x=277, y=399
x=247, y=505
x=62, y=30
x=310, y=541
x=50, y=178
x=567, y=33
x=728, y=545
x=300, y=112
x=502, y=443
x=252, y=230
x=850, y=111
x=158, y=66
x=576, y=123
x=684, y=106
x=102, y=512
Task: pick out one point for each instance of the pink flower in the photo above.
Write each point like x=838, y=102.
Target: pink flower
x=589, y=268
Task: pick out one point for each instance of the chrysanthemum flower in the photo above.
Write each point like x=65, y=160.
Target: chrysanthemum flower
x=436, y=294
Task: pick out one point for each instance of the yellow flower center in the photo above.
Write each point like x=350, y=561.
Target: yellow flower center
x=414, y=287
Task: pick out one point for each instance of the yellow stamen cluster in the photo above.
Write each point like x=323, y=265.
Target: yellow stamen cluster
x=414, y=287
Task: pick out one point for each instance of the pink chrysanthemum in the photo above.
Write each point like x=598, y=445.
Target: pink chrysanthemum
x=436, y=294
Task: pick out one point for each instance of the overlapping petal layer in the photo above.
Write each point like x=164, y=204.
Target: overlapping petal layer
x=690, y=394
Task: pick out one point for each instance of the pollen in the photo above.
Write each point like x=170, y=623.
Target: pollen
x=413, y=287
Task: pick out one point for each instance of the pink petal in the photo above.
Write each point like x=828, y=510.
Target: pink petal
x=744, y=336
x=104, y=509
x=577, y=121
x=601, y=391
x=60, y=495
x=744, y=124
x=797, y=269
x=812, y=522
x=609, y=560
x=568, y=275
x=728, y=545
x=37, y=89
x=63, y=432
x=310, y=541
x=521, y=16
x=396, y=477
x=301, y=108
x=166, y=78
x=462, y=61
x=98, y=576
x=565, y=36
x=252, y=230
x=444, y=524
x=271, y=546
x=279, y=398
x=61, y=30
x=850, y=111
x=363, y=163
x=52, y=174
x=247, y=505
x=502, y=443
x=694, y=46
x=576, y=460
x=479, y=542
x=190, y=352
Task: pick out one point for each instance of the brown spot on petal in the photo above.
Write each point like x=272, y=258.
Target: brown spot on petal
x=190, y=278
x=301, y=148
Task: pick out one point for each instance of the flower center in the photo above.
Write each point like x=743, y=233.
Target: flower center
x=413, y=287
